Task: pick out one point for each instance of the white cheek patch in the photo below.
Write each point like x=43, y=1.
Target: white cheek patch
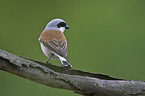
x=62, y=29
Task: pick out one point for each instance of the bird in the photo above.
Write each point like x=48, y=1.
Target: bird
x=53, y=42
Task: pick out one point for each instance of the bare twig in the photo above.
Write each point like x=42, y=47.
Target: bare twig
x=85, y=83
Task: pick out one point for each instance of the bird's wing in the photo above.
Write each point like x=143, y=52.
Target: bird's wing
x=58, y=47
x=55, y=41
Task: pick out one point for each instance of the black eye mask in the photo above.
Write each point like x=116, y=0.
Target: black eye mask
x=61, y=24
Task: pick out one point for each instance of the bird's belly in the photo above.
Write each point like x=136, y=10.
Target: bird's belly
x=47, y=52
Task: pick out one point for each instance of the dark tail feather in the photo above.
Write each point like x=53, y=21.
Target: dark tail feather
x=67, y=66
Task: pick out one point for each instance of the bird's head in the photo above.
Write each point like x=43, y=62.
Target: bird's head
x=57, y=24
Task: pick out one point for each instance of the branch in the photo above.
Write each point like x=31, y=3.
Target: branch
x=85, y=83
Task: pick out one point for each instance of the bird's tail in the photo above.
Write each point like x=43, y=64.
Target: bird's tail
x=67, y=66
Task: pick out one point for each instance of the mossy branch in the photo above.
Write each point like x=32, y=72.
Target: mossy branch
x=85, y=83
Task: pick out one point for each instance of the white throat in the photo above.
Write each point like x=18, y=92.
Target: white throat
x=62, y=29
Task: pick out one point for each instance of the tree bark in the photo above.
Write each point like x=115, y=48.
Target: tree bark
x=85, y=83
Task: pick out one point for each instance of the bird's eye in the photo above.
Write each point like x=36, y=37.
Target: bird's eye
x=61, y=24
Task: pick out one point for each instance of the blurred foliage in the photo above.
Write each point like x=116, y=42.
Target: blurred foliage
x=106, y=36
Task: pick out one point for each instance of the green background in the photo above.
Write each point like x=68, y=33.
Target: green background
x=105, y=37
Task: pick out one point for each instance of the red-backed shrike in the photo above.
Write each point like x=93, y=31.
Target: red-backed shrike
x=53, y=42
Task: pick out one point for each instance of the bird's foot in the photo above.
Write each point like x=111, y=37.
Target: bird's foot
x=48, y=62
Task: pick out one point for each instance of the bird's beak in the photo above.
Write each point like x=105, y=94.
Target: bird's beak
x=67, y=27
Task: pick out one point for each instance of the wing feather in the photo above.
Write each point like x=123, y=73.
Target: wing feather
x=58, y=47
x=55, y=41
